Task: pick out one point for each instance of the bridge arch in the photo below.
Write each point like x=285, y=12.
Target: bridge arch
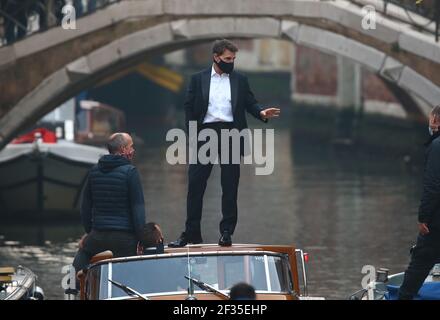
x=174, y=32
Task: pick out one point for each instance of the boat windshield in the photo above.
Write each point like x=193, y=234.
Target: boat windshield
x=166, y=275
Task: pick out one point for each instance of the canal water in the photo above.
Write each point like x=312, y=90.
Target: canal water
x=347, y=206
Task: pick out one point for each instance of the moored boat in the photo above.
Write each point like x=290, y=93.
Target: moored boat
x=386, y=287
x=42, y=180
x=96, y=121
x=19, y=284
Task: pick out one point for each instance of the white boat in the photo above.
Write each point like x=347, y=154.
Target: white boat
x=44, y=180
x=19, y=284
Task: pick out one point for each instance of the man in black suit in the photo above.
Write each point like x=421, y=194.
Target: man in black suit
x=426, y=253
x=217, y=99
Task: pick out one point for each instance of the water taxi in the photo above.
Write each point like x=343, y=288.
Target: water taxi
x=198, y=272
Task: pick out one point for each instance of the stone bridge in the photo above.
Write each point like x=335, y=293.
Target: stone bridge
x=43, y=70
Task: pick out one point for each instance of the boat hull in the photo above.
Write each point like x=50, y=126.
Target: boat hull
x=22, y=286
x=44, y=182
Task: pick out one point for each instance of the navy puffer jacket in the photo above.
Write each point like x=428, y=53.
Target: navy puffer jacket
x=113, y=197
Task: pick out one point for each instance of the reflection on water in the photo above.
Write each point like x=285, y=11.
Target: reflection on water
x=347, y=209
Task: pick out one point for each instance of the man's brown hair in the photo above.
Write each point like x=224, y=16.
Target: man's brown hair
x=151, y=235
x=219, y=46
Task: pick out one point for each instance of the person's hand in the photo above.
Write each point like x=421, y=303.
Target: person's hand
x=423, y=229
x=270, y=113
x=81, y=241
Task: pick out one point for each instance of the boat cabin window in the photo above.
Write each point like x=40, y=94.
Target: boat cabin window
x=82, y=120
x=166, y=275
x=105, y=122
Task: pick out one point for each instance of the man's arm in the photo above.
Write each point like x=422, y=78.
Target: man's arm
x=137, y=204
x=431, y=185
x=86, y=207
x=189, y=102
x=252, y=105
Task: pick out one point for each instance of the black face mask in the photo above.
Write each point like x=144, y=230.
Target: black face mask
x=226, y=67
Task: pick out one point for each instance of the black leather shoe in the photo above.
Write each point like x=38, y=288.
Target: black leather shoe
x=225, y=240
x=184, y=240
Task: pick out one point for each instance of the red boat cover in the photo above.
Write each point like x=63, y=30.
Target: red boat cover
x=46, y=135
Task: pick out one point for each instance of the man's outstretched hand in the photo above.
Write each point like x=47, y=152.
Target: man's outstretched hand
x=270, y=113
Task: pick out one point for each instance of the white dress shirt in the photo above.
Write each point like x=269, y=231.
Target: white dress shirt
x=219, y=105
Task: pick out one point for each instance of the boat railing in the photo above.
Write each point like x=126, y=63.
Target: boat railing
x=423, y=15
x=33, y=16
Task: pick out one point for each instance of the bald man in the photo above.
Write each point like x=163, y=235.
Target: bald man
x=112, y=205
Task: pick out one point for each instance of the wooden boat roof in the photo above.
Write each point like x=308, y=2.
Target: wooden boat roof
x=235, y=247
x=107, y=256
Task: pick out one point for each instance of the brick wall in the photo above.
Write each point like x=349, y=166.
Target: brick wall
x=316, y=74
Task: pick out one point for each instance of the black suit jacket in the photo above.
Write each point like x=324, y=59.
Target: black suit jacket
x=242, y=99
x=429, y=210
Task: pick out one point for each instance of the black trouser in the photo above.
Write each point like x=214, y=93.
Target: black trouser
x=121, y=243
x=198, y=175
x=424, y=256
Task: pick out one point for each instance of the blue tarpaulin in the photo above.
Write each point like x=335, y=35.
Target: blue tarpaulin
x=429, y=291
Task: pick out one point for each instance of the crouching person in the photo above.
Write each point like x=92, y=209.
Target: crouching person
x=112, y=207
x=152, y=240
